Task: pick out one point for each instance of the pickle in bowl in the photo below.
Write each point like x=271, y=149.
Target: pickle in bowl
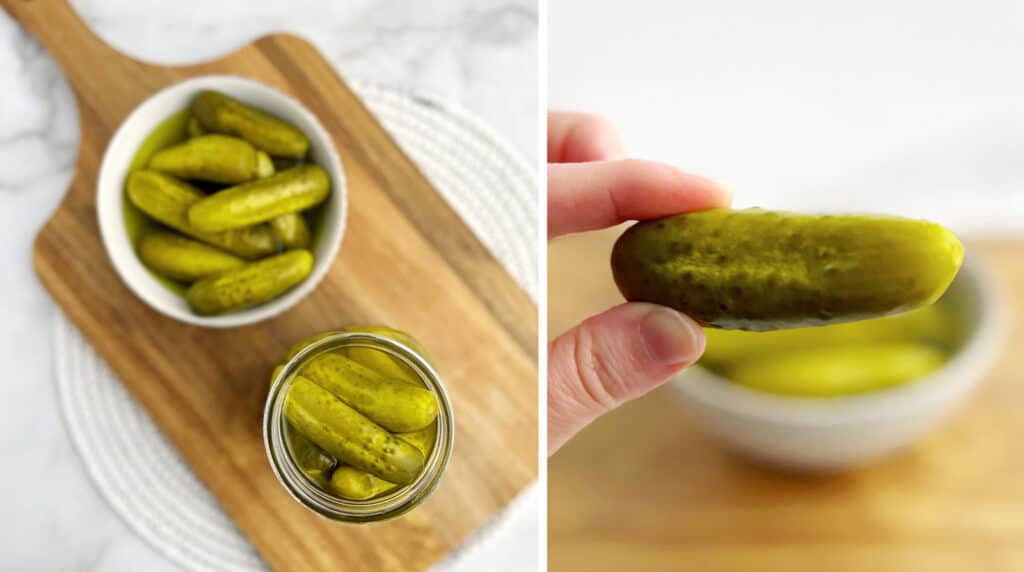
x=212, y=166
x=839, y=360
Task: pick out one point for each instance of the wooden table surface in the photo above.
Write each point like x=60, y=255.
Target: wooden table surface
x=643, y=489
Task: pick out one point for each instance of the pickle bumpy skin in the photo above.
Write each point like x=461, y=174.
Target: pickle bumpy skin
x=167, y=201
x=348, y=435
x=216, y=158
x=221, y=114
x=290, y=191
x=760, y=270
x=252, y=284
x=395, y=405
x=183, y=259
x=843, y=370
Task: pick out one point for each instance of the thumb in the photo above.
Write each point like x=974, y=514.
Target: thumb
x=614, y=357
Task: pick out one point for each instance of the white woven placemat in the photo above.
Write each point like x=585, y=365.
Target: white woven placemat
x=138, y=471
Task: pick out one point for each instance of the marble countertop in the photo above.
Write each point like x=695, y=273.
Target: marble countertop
x=479, y=54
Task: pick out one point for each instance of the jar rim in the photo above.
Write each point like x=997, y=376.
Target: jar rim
x=302, y=489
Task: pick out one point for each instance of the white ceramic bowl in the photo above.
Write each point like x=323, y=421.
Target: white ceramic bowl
x=831, y=434
x=125, y=143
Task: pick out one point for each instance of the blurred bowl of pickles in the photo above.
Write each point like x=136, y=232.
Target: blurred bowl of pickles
x=196, y=266
x=832, y=398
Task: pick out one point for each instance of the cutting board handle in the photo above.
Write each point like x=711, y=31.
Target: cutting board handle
x=70, y=41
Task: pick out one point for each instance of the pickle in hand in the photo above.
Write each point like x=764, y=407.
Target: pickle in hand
x=183, y=259
x=290, y=191
x=760, y=270
x=249, y=285
x=215, y=158
x=222, y=114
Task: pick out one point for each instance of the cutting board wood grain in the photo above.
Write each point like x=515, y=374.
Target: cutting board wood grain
x=407, y=261
x=644, y=489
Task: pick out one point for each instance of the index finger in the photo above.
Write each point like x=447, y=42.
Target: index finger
x=581, y=137
x=589, y=196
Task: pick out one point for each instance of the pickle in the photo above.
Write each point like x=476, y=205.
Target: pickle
x=252, y=284
x=286, y=192
x=423, y=439
x=759, y=270
x=264, y=165
x=354, y=484
x=291, y=229
x=843, y=370
x=167, y=200
x=194, y=128
x=298, y=347
x=221, y=114
x=348, y=435
x=932, y=325
x=311, y=459
x=379, y=360
x=215, y=158
x=395, y=405
x=184, y=259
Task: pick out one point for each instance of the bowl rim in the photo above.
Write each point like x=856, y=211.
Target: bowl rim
x=110, y=214
x=977, y=354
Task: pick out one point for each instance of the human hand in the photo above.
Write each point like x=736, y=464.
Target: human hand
x=625, y=352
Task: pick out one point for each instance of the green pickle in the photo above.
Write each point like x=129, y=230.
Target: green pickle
x=291, y=229
x=348, y=435
x=249, y=285
x=422, y=439
x=193, y=127
x=835, y=371
x=380, y=361
x=222, y=114
x=314, y=461
x=215, y=158
x=933, y=325
x=184, y=259
x=219, y=142
x=289, y=191
x=396, y=405
x=370, y=383
x=264, y=165
x=167, y=200
x=761, y=270
x=354, y=484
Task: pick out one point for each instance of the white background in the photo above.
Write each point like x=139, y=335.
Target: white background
x=479, y=54
x=903, y=107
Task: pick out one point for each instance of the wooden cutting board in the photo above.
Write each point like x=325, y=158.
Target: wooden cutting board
x=407, y=261
x=644, y=489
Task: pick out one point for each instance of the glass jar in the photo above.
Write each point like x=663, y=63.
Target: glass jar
x=278, y=434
